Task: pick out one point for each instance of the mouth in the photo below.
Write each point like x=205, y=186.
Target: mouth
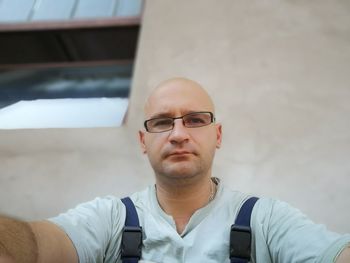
x=179, y=153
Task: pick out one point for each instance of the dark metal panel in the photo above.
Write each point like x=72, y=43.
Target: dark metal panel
x=68, y=45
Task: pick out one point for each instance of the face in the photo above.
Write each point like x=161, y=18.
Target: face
x=182, y=152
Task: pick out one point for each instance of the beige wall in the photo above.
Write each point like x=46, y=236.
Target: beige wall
x=279, y=73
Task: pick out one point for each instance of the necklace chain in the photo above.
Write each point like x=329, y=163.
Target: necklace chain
x=212, y=190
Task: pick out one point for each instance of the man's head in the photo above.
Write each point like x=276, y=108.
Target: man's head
x=180, y=152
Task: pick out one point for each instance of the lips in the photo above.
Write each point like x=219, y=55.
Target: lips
x=179, y=153
x=170, y=150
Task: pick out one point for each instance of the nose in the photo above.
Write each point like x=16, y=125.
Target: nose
x=179, y=133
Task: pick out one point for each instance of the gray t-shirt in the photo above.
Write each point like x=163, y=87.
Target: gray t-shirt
x=281, y=233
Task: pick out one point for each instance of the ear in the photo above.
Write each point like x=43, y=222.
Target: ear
x=218, y=135
x=142, y=141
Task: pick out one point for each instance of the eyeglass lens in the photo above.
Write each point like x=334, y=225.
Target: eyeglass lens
x=191, y=120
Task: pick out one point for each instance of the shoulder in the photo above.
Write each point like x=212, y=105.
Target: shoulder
x=107, y=204
x=277, y=212
x=145, y=199
x=272, y=215
x=229, y=202
x=267, y=207
x=97, y=213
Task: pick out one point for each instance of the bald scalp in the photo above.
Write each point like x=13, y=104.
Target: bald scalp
x=178, y=85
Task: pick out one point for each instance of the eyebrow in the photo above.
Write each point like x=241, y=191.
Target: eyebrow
x=160, y=115
x=169, y=114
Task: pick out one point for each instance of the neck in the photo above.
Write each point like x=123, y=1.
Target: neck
x=182, y=199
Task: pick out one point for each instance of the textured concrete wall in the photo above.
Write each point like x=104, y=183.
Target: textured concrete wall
x=279, y=74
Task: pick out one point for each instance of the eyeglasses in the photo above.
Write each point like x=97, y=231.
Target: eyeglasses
x=190, y=120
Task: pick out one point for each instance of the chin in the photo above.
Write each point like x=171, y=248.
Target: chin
x=180, y=171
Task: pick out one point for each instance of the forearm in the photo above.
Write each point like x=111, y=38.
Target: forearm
x=17, y=242
x=5, y=256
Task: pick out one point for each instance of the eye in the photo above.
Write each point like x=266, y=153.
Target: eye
x=161, y=122
x=196, y=119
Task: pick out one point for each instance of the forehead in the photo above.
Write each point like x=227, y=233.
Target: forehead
x=178, y=97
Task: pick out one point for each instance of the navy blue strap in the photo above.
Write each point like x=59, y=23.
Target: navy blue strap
x=132, y=234
x=245, y=213
x=131, y=218
x=240, y=239
x=130, y=260
x=238, y=260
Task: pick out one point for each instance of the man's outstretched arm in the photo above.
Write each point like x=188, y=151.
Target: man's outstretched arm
x=34, y=242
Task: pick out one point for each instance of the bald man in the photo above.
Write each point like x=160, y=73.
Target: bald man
x=186, y=215
x=181, y=150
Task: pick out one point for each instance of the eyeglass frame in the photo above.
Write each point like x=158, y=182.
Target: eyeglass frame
x=212, y=120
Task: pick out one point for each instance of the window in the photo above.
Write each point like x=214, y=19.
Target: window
x=66, y=63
